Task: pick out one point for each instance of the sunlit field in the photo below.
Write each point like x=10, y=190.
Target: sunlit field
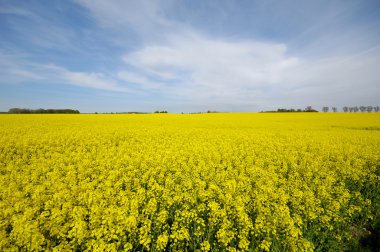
x=206, y=182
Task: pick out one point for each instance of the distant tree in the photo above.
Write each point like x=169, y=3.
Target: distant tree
x=334, y=109
x=362, y=108
x=345, y=109
x=14, y=111
x=310, y=109
x=369, y=109
x=377, y=109
x=42, y=111
x=355, y=109
x=325, y=109
x=19, y=111
x=284, y=110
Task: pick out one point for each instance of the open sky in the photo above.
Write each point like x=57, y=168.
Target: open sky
x=189, y=55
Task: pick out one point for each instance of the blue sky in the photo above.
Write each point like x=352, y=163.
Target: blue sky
x=187, y=56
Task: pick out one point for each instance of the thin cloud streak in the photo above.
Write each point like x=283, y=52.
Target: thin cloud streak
x=15, y=70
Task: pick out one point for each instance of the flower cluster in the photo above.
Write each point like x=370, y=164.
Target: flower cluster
x=203, y=182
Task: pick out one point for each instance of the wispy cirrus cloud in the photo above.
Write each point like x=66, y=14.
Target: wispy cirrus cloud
x=91, y=80
x=18, y=70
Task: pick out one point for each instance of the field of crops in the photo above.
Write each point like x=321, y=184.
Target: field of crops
x=206, y=182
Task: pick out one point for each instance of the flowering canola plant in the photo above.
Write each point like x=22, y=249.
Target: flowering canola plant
x=202, y=182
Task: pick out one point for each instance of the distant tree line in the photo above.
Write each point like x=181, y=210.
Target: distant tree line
x=284, y=110
x=361, y=109
x=354, y=109
x=42, y=111
x=326, y=109
x=161, y=112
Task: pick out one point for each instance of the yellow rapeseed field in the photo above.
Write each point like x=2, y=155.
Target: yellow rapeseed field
x=202, y=182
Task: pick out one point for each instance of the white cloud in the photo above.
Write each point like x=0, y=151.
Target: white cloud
x=18, y=70
x=13, y=69
x=15, y=11
x=344, y=80
x=145, y=18
x=141, y=81
x=206, y=67
x=214, y=71
x=91, y=80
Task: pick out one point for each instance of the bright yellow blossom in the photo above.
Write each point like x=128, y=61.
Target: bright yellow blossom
x=204, y=182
